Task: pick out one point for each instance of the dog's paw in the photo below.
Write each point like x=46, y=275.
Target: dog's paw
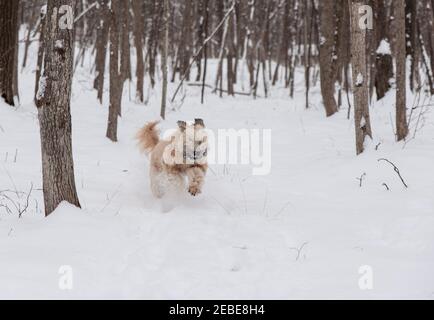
x=194, y=191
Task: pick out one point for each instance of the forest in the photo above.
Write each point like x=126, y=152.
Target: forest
x=333, y=98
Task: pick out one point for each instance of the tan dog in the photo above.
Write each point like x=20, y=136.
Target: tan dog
x=184, y=155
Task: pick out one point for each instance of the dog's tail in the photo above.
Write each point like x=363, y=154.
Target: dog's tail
x=148, y=137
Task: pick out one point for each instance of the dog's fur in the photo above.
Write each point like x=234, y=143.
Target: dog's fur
x=184, y=155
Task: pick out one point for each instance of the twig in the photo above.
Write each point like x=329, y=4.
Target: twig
x=27, y=202
x=299, y=250
x=361, y=179
x=396, y=170
x=377, y=146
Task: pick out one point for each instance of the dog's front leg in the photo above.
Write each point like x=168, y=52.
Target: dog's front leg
x=196, y=179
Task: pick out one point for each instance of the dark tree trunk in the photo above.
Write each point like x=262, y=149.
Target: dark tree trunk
x=8, y=49
x=101, y=47
x=166, y=16
x=53, y=102
x=125, y=40
x=411, y=39
x=401, y=108
x=116, y=81
x=139, y=29
x=384, y=61
x=327, y=28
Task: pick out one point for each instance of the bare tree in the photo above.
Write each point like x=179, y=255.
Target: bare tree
x=166, y=16
x=360, y=84
x=8, y=50
x=384, y=61
x=53, y=102
x=401, y=109
x=327, y=58
x=139, y=30
x=101, y=47
x=116, y=76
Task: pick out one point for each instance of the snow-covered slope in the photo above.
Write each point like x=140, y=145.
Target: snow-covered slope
x=306, y=230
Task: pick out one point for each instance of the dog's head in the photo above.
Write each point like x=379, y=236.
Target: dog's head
x=189, y=144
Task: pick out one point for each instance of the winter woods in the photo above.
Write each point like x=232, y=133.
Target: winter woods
x=362, y=49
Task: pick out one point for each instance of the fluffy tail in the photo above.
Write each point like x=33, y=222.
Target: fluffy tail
x=148, y=137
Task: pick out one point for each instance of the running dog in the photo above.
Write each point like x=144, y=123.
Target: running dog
x=171, y=161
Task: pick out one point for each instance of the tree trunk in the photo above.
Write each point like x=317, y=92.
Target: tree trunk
x=411, y=40
x=360, y=83
x=327, y=25
x=205, y=52
x=164, y=58
x=101, y=47
x=401, y=109
x=384, y=61
x=8, y=50
x=125, y=40
x=40, y=53
x=139, y=30
x=116, y=76
x=53, y=102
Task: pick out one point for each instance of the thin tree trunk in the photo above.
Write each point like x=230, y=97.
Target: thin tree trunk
x=327, y=22
x=401, y=109
x=360, y=83
x=139, y=29
x=8, y=49
x=125, y=40
x=101, y=47
x=166, y=16
x=205, y=52
x=40, y=59
x=116, y=76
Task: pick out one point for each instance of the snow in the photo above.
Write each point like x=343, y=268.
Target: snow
x=41, y=88
x=305, y=230
x=384, y=48
x=59, y=44
x=359, y=80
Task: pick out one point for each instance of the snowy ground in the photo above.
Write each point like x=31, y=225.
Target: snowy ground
x=303, y=231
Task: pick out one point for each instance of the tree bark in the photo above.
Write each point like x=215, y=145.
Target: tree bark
x=40, y=59
x=53, y=102
x=116, y=76
x=384, y=61
x=8, y=49
x=139, y=29
x=327, y=29
x=164, y=58
x=101, y=47
x=360, y=83
x=401, y=109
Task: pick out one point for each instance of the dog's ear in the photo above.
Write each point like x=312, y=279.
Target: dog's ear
x=182, y=125
x=199, y=122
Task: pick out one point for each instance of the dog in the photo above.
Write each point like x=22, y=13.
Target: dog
x=183, y=155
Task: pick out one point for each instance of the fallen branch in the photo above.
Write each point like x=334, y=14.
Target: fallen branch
x=396, y=170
